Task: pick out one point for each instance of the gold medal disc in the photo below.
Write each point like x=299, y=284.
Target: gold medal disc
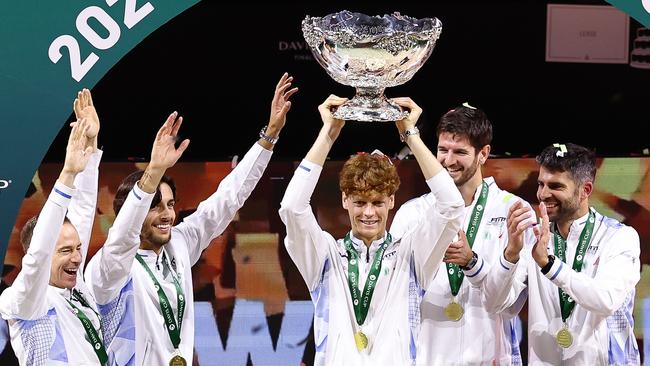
x=361, y=340
x=177, y=360
x=454, y=311
x=564, y=338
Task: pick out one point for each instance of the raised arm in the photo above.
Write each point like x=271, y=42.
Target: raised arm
x=280, y=106
x=306, y=242
x=109, y=270
x=443, y=216
x=27, y=297
x=328, y=133
x=81, y=211
x=215, y=213
x=409, y=133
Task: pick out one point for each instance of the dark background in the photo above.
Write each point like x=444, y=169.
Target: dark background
x=218, y=68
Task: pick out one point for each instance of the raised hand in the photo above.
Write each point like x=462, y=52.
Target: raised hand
x=84, y=108
x=543, y=233
x=327, y=115
x=328, y=133
x=164, y=153
x=427, y=161
x=77, y=153
x=281, y=104
x=412, y=118
x=518, y=220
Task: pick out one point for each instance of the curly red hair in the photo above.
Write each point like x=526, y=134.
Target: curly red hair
x=365, y=174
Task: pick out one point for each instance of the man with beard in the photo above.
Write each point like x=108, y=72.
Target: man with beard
x=580, y=274
x=456, y=328
x=361, y=284
x=159, y=265
x=105, y=277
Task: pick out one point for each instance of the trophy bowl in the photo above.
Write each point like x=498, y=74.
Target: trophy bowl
x=370, y=53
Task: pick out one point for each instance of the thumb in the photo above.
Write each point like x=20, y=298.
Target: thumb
x=183, y=146
x=286, y=107
x=461, y=234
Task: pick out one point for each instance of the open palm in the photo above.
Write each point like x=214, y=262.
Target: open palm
x=77, y=153
x=164, y=153
x=281, y=104
x=84, y=108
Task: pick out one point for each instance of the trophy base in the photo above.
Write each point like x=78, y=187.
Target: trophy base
x=370, y=106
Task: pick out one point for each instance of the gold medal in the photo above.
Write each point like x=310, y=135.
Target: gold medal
x=361, y=340
x=564, y=338
x=454, y=311
x=177, y=360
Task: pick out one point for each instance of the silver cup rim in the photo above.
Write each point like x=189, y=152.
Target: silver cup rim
x=421, y=29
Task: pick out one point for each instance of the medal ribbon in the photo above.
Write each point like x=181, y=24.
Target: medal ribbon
x=567, y=303
x=93, y=337
x=361, y=301
x=454, y=273
x=173, y=328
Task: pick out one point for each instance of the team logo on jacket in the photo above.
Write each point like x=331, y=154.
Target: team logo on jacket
x=496, y=220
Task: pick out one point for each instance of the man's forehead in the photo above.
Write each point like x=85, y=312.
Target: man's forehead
x=370, y=196
x=458, y=140
x=166, y=192
x=548, y=175
x=68, y=235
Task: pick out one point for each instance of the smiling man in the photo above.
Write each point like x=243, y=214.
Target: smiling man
x=580, y=274
x=364, y=287
x=456, y=327
x=157, y=267
x=52, y=316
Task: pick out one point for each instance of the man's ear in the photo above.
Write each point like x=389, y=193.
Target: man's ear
x=391, y=202
x=344, y=200
x=587, y=189
x=484, y=154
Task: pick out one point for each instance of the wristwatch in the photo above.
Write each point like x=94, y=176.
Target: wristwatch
x=547, y=267
x=266, y=137
x=408, y=132
x=472, y=262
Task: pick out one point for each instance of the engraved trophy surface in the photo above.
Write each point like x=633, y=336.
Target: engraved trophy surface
x=370, y=53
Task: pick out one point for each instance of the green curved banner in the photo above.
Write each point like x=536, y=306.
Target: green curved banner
x=50, y=50
x=637, y=9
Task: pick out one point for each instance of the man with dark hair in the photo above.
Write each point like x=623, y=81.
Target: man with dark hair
x=53, y=318
x=158, y=265
x=361, y=285
x=580, y=274
x=28, y=230
x=456, y=328
x=129, y=182
x=105, y=276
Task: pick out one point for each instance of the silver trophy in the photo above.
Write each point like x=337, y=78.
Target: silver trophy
x=371, y=53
